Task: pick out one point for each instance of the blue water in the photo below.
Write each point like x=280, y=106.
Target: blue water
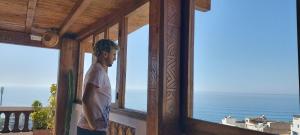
x=213, y=106
x=24, y=96
x=210, y=106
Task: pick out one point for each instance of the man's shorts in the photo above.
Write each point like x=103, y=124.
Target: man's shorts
x=81, y=131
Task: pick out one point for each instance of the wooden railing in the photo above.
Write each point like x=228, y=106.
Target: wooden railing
x=120, y=129
x=11, y=124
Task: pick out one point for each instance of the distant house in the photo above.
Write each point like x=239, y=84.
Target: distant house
x=260, y=123
x=230, y=121
x=295, y=127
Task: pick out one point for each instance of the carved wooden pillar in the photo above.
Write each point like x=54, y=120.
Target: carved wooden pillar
x=163, y=78
x=68, y=64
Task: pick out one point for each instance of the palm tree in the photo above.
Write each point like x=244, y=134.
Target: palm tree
x=2, y=90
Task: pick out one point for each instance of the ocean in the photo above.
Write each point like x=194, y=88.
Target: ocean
x=24, y=96
x=209, y=106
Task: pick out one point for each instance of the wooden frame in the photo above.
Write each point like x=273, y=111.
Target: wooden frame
x=122, y=61
x=187, y=61
x=100, y=25
x=20, y=38
x=77, y=10
x=119, y=105
x=194, y=126
x=298, y=40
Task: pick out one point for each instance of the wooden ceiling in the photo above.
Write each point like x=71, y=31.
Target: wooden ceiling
x=80, y=18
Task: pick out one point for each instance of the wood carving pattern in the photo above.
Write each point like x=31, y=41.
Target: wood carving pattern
x=153, y=73
x=173, y=30
x=119, y=129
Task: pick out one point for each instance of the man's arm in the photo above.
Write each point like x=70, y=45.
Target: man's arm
x=87, y=101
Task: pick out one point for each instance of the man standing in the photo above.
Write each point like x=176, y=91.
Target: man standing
x=96, y=97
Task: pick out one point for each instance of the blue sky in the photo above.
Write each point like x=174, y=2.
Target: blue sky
x=27, y=66
x=240, y=46
x=247, y=46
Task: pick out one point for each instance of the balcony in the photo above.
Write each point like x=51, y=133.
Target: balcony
x=15, y=120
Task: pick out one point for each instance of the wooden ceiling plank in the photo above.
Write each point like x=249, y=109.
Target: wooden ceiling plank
x=30, y=15
x=110, y=19
x=203, y=5
x=77, y=10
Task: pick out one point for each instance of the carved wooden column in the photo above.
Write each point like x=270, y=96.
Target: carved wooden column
x=163, y=78
x=69, y=57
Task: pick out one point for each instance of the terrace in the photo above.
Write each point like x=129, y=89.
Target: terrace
x=73, y=26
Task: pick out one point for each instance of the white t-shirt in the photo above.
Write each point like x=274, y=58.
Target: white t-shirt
x=101, y=97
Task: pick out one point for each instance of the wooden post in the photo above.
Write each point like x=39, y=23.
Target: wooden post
x=187, y=61
x=106, y=33
x=69, y=56
x=163, y=78
x=94, y=58
x=80, y=73
x=121, y=67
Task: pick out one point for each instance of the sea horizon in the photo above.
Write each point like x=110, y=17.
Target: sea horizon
x=210, y=106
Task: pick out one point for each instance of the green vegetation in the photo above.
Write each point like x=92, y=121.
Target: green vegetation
x=39, y=116
x=43, y=117
x=52, y=106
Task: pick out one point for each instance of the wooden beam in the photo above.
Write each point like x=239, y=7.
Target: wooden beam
x=198, y=127
x=106, y=33
x=122, y=61
x=11, y=26
x=110, y=19
x=203, y=5
x=20, y=38
x=77, y=10
x=30, y=15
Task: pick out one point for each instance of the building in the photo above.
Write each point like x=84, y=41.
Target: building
x=260, y=123
x=230, y=121
x=295, y=126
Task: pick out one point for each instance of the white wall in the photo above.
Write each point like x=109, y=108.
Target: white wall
x=294, y=126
